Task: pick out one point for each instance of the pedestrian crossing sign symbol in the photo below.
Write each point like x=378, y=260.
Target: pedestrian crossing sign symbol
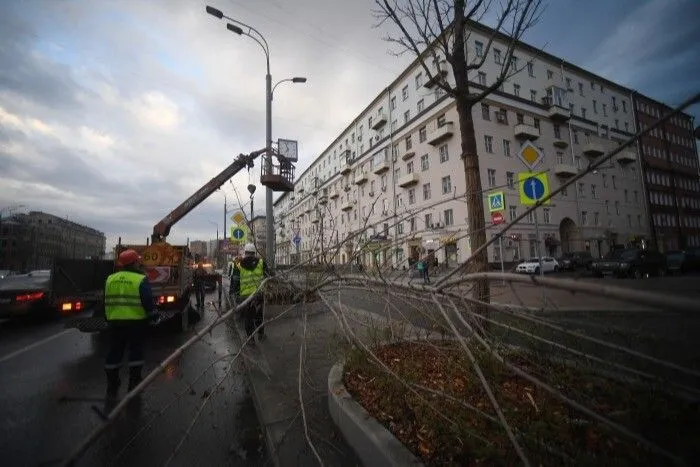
x=497, y=201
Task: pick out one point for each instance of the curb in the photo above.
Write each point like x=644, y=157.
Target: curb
x=257, y=400
x=372, y=442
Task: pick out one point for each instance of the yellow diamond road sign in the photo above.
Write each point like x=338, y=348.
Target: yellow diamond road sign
x=238, y=218
x=530, y=155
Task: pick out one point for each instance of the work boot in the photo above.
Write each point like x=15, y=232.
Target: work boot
x=134, y=377
x=113, y=383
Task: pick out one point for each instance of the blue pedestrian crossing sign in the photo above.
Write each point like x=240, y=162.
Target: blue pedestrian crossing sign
x=533, y=187
x=497, y=201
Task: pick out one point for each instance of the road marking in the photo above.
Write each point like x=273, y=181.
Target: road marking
x=32, y=346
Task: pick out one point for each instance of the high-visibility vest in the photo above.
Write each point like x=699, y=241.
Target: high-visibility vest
x=251, y=279
x=122, y=297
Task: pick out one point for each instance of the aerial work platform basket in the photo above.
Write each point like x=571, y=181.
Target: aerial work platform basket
x=279, y=176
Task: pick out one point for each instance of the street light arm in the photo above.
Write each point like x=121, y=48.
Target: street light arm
x=260, y=39
x=296, y=79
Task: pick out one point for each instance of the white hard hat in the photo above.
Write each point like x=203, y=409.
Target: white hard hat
x=249, y=248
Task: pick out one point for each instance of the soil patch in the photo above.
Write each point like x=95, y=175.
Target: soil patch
x=449, y=420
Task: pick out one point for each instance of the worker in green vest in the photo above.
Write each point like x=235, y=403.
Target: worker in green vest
x=128, y=306
x=249, y=274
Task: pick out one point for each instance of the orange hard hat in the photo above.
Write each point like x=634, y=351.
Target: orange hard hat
x=128, y=257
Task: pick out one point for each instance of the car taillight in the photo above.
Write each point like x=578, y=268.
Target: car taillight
x=72, y=306
x=29, y=297
x=166, y=298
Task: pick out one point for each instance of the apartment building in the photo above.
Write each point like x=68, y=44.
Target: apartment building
x=670, y=167
x=391, y=186
x=199, y=248
x=35, y=240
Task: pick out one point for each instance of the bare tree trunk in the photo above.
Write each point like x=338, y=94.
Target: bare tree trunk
x=475, y=202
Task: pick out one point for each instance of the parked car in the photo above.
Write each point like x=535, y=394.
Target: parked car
x=24, y=295
x=608, y=265
x=641, y=263
x=6, y=273
x=575, y=260
x=532, y=265
x=683, y=261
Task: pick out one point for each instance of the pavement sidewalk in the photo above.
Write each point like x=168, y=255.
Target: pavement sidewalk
x=273, y=373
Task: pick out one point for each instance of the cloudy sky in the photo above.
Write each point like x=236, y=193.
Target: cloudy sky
x=112, y=112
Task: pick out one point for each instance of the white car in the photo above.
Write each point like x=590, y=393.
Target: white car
x=532, y=265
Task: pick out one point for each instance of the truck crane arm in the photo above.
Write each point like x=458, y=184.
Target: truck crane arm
x=162, y=229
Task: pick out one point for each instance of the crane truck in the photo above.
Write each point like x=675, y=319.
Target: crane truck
x=169, y=267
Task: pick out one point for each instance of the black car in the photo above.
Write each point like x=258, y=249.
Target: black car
x=25, y=294
x=608, y=265
x=683, y=261
x=575, y=260
x=641, y=263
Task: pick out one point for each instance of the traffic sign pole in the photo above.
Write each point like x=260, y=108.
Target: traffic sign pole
x=537, y=226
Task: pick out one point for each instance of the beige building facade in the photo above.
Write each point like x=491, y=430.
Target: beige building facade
x=392, y=186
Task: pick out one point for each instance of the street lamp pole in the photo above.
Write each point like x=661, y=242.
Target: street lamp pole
x=260, y=39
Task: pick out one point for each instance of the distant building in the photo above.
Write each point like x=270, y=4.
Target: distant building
x=35, y=240
x=199, y=247
x=259, y=233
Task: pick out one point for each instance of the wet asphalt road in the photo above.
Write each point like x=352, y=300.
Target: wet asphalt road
x=52, y=387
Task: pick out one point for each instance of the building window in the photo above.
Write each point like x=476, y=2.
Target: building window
x=488, y=143
x=580, y=88
x=577, y=161
x=506, y=147
x=617, y=208
x=533, y=95
x=614, y=182
x=607, y=206
x=605, y=110
x=444, y=154
x=441, y=120
x=446, y=185
x=482, y=78
x=406, y=116
x=583, y=112
x=596, y=219
x=479, y=49
x=497, y=56
x=627, y=125
x=412, y=196
x=550, y=74
x=419, y=80
x=422, y=134
x=536, y=123
x=581, y=190
x=594, y=193
x=624, y=106
x=512, y=213
x=424, y=162
x=636, y=197
x=409, y=143
x=629, y=220
x=584, y=217
x=516, y=90
x=595, y=106
x=520, y=118
x=428, y=221
x=485, y=112
x=399, y=228
x=492, y=177
x=404, y=92
x=560, y=157
x=531, y=69
x=510, y=180
x=426, y=191
x=392, y=103
x=568, y=85
x=409, y=168
x=605, y=180
x=557, y=131
x=626, y=197
x=449, y=218
x=421, y=105
x=531, y=217
x=547, y=215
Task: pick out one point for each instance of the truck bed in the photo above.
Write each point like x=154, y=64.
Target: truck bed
x=73, y=279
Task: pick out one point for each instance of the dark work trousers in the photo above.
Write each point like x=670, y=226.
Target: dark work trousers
x=199, y=294
x=121, y=334
x=426, y=275
x=253, y=316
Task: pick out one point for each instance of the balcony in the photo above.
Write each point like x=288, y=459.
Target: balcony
x=626, y=157
x=408, y=180
x=360, y=178
x=565, y=170
x=323, y=199
x=593, y=149
x=333, y=194
x=437, y=77
x=345, y=168
x=408, y=155
x=441, y=133
x=554, y=111
x=380, y=121
x=380, y=167
x=561, y=143
x=346, y=206
x=315, y=218
x=300, y=189
x=523, y=130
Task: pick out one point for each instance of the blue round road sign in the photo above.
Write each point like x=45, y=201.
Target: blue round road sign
x=296, y=240
x=238, y=234
x=533, y=188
